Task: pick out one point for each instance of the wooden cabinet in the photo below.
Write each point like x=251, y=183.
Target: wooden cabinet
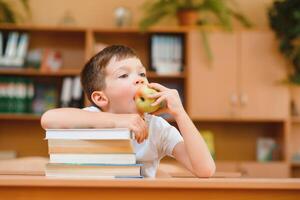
x=242, y=79
x=212, y=87
x=261, y=70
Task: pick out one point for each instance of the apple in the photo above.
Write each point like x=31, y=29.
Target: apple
x=143, y=102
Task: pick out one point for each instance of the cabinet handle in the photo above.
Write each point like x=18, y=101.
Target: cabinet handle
x=244, y=99
x=234, y=99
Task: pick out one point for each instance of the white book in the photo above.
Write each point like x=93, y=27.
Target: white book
x=11, y=47
x=77, y=90
x=86, y=134
x=93, y=158
x=1, y=45
x=22, y=46
x=66, y=92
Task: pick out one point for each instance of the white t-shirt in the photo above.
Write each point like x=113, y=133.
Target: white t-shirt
x=161, y=141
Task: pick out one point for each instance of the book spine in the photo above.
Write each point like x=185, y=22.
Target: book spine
x=66, y=92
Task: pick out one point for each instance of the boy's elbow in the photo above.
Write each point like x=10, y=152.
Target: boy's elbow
x=205, y=172
x=46, y=119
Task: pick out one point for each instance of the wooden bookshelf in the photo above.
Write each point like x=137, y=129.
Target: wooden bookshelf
x=206, y=89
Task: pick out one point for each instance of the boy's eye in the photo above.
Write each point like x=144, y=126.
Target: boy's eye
x=143, y=74
x=123, y=76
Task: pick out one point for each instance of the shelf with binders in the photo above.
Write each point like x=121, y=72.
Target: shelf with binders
x=28, y=97
x=34, y=64
x=40, y=51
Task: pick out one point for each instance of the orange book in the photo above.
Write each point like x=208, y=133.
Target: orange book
x=89, y=146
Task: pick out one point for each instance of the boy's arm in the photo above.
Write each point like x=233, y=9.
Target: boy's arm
x=78, y=118
x=193, y=153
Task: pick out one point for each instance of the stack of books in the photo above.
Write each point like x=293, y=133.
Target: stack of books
x=91, y=153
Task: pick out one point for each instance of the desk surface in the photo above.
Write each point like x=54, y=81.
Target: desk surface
x=184, y=183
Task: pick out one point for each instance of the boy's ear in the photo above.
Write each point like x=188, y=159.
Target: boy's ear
x=99, y=98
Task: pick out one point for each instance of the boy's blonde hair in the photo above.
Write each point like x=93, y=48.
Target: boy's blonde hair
x=93, y=74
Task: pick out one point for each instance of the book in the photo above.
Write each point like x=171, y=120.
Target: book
x=89, y=146
x=86, y=134
x=93, y=170
x=52, y=60
x=77, y=93
x=208, y=137
x=108, y=158
x=266, y=149
x=66, y=92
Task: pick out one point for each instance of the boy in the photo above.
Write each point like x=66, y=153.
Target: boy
x=110, y=80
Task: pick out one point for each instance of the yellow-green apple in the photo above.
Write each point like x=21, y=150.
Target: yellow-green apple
x=143, y=102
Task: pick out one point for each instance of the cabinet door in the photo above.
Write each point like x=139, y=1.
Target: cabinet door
x=262, y=67
x=211, y=87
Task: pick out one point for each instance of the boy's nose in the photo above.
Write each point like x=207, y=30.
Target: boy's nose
x=139, y=81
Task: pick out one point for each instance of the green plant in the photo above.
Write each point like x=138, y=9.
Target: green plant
x=222, y=10
x=284, y=19
x=156, y=10
x=8, y=13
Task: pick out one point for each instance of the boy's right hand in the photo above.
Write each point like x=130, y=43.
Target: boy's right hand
x=135, y=123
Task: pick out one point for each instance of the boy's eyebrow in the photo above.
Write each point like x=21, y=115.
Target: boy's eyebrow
x=126, y=67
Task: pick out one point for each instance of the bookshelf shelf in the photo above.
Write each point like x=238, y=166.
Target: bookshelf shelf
x=296, y=120
x=74, y=72
x=151, y=74
x=295, y=164
x=25, y=117
x=239, y=119
x=34, y=72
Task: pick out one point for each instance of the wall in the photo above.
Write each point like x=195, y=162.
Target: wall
x=100, y=12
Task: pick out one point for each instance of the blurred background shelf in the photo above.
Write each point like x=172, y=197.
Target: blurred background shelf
x=16, y=117
x=295, y=120
x=35, y=72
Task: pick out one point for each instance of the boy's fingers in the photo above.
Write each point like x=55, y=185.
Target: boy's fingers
x=158, y=101
x=155, y=95
x=157, y=86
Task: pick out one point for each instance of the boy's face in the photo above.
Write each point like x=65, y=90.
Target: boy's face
x=122, y=80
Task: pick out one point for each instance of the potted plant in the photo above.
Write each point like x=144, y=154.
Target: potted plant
x=284, y=19
x=190, y=12
x=8, y=13
x=193, y=13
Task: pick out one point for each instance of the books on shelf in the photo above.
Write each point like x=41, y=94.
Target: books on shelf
x=16, y=95
x=13, y=49
x=266, y=149
x=91, y=153
x=166, y=53
x=71, y=93
x=208, y=137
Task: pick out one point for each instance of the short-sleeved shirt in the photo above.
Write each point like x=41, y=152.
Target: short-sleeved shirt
x=161, y=141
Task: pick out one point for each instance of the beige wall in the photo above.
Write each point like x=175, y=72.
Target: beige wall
x=100, y=12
